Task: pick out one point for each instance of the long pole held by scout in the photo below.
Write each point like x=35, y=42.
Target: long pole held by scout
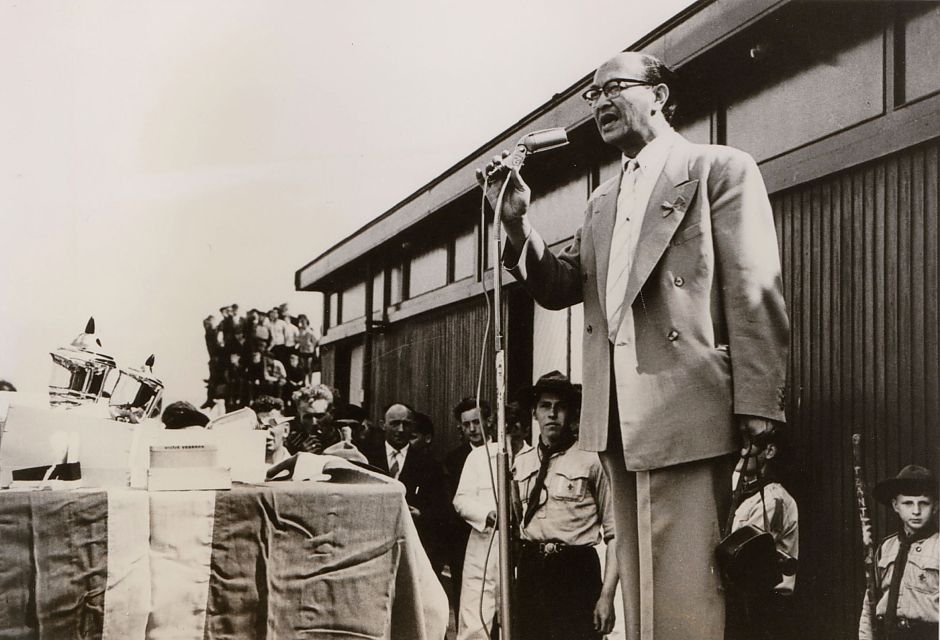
x=868, y=544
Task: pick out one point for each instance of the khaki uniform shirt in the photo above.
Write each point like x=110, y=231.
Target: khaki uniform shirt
x=576, y=498
x=919, y=594
x=782, y=520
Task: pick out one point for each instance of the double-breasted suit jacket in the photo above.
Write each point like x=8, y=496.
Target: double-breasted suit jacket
x=711, y=328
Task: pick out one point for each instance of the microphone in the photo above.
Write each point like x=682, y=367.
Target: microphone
x=544, y=140
x=535, y=142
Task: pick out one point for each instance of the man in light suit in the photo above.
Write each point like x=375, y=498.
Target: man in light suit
x=685, y=337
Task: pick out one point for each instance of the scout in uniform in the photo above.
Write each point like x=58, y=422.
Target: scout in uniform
x=908, y=560
x=562, y=503
x=761, y=500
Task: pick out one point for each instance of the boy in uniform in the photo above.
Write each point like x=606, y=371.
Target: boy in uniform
x=563, y=506
x=762, y=501
x=907, y=560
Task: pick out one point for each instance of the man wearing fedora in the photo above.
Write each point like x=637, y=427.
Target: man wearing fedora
x=563, y=506
x=907, y=561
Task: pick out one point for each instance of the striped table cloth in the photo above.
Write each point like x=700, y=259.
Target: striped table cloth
x=279, y=561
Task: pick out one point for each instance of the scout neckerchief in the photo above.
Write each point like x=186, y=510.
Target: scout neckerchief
x=546, y=454
x=900, y=564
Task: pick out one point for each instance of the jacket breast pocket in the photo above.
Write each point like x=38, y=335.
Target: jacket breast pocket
x=569, y=488
x=685, y=234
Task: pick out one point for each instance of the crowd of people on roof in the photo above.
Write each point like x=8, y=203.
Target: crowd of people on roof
x=261, y=353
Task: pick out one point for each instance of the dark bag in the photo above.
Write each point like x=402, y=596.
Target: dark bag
x=748, y=557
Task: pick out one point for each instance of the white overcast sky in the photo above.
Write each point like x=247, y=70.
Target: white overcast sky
x=160, y=159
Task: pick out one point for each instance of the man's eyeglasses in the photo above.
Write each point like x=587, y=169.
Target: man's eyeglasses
x=612, y=88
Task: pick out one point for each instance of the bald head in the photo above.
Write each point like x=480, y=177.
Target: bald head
x=636, y=101
x=399, y=425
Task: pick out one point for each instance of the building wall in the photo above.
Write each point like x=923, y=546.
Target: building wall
x=433, y=361
x=859, y=251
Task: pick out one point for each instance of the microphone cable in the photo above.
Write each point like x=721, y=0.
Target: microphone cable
x=497, y=273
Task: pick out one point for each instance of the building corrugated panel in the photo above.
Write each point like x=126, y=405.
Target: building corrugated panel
x=328, y=365
x=431, y=362
x=859, y=251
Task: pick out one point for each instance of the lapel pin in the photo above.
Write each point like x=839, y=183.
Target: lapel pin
x=669, y=207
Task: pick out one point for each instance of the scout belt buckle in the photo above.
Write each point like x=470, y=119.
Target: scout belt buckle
x=550, y=548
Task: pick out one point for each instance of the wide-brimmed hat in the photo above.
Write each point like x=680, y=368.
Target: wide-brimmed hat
x=553, y=382
x=912, y=480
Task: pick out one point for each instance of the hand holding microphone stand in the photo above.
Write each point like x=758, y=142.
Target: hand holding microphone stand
x=530, y=143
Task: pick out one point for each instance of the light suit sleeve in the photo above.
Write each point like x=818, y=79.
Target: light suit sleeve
x=748, y=267
x=467, y=501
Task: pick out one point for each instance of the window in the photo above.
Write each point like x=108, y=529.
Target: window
x=334, y=318
x=428, y=271
x=396, y=285
x=836, y=90
x=465, y=255
x=558, y=213
x=696, y=130
x=378, y=291
x=487, y=244
x=921, y=52
x=354, y=302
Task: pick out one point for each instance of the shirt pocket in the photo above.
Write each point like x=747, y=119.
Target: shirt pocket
x=922, y=576
x=524, y=480
x=569, y=487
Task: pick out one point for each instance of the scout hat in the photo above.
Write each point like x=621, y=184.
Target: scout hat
x=912, y=480
x=554, y=382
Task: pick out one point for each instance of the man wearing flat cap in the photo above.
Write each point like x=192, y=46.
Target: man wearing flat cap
x=908, y=561
x=563, y=506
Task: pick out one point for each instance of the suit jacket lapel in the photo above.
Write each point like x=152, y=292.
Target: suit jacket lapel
x=666, y=208
x=408, y=468
x=602, y=227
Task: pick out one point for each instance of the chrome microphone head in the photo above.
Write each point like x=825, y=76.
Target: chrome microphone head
x=543, y=140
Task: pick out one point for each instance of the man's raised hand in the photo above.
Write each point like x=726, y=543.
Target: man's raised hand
x=515, y=200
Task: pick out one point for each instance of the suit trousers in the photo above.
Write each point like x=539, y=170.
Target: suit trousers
x=668, y=522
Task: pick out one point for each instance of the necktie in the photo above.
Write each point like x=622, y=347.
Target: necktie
x=622, y=247
x=396, y=467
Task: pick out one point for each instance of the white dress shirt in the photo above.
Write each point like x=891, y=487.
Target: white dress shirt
x=631, y=209
x=392, y=454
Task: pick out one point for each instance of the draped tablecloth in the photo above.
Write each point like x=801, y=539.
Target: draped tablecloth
x=282, y=561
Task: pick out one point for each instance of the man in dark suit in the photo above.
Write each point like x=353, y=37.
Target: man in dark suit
x=685, y=336
x=422, y=475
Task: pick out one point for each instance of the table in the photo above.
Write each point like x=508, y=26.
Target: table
x=285, y=560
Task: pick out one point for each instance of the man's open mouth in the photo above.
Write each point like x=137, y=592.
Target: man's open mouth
x=607, y=118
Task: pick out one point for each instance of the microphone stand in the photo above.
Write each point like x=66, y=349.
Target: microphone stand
x=513, y=161
x=502, y=452
x=533, y=142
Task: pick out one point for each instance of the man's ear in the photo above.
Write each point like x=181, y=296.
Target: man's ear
x=662, y=95
x=770, y=451
x=894, y=505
